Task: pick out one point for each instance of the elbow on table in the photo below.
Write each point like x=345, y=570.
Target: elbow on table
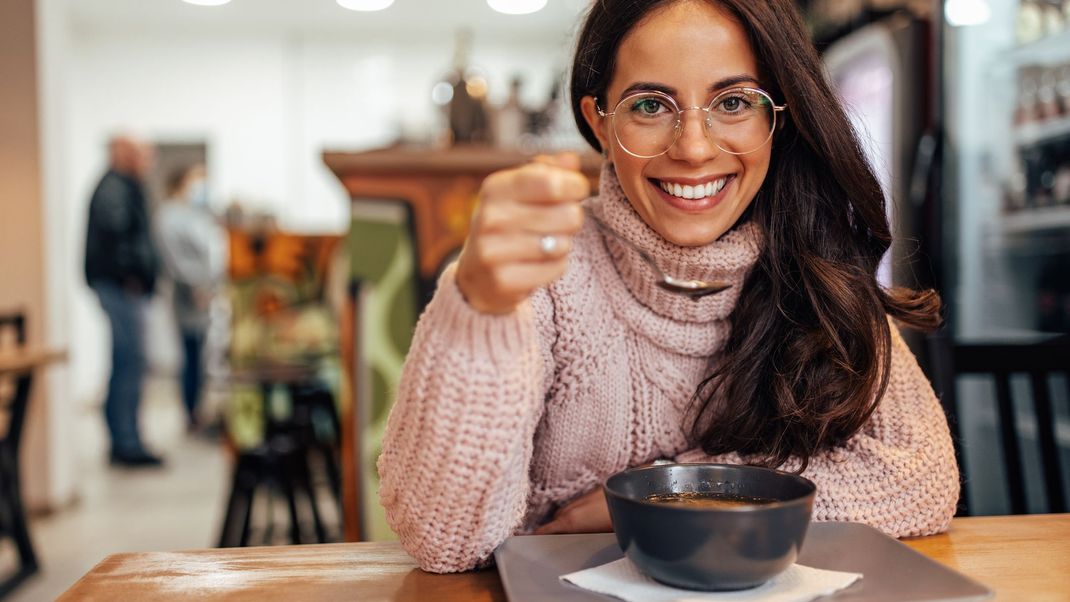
x=444, y=554
x=439, y=540
x=435, y=546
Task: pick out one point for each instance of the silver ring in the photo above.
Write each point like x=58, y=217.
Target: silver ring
x=548, y=244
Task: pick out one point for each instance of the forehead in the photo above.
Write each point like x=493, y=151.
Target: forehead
x=687, y=44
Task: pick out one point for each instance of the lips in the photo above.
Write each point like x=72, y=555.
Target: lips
x=693, y=195
x=693, y=191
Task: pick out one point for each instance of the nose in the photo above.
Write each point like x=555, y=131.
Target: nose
x=694, y=145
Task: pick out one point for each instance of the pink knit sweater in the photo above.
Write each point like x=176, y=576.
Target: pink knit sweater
x=500, y=420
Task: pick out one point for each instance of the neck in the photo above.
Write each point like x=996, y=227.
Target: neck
x=729, y=258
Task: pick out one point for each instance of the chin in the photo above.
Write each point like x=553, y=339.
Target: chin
x=692, y=234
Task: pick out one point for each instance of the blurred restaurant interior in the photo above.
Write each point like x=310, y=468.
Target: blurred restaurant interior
x=343, y=148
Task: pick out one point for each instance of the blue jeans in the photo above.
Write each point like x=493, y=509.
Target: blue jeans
x=126, y=315
x=192, y=371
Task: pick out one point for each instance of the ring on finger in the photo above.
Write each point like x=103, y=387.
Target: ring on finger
x=549, y=245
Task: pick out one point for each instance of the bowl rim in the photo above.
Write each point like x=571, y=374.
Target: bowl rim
x=797, y=501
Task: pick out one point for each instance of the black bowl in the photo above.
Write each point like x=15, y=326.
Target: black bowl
x=710, y=548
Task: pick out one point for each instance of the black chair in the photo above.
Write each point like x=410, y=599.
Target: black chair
x=1038, y=358
x=282, y=464
x=12, y=514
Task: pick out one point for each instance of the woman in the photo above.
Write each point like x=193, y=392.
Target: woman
x=193, y=247
x=549, y=359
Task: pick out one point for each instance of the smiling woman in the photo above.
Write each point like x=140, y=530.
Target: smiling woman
x=539, y=370
x=664, y=64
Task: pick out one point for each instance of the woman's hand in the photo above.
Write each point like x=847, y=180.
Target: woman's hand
x=588, y=513
x=508, y=253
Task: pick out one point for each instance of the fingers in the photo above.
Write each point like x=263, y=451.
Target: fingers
x=581, y=520
x=497, y=288
x=508, y=254
x=588, y=513
x=495, y=249
x=508, y=216
x=556, y=526
x=537, y=183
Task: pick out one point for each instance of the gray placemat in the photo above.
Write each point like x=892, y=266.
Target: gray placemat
x=892, y=572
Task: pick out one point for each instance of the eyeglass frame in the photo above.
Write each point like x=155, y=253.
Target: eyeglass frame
x=678, y=128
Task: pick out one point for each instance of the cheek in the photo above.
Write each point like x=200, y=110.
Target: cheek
x=630, y=171
x=755, y=168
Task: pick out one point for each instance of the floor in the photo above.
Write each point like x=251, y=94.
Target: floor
x=124, y=510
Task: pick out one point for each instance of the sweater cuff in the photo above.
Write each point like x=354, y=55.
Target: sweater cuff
x=496, y=337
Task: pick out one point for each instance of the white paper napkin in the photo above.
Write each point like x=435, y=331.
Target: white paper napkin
x=622, y=579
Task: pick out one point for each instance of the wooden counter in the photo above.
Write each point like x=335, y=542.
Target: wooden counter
x=1019, y=557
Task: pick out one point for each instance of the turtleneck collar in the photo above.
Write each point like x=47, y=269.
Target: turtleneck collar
x=728, y=258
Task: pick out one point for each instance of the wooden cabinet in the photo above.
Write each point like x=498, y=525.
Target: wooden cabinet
x=438, y=188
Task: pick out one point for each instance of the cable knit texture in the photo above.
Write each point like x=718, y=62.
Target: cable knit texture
x=500, y=420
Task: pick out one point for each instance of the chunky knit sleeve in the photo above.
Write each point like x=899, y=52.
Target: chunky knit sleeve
x=898, y=473
x=458, y=442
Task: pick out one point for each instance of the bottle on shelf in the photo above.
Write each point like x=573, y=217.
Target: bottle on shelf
x=511, y=118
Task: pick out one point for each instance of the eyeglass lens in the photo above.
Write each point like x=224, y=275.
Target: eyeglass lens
x=737, y=121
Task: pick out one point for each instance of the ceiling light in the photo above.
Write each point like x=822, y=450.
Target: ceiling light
x=517, y=7
x=365, y=5
x=206, y=2
x=967, y=12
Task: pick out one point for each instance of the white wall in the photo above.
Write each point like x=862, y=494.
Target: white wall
x=59, y=446
x=267, y=104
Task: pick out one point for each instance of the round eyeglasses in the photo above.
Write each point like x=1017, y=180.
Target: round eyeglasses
x=738, y=121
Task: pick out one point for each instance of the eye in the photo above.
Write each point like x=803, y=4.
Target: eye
x=733, y=104
x=647, y=106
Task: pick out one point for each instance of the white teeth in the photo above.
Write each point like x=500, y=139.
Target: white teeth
x=694, y=192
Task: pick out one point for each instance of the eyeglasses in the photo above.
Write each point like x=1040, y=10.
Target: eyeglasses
x=738, y=121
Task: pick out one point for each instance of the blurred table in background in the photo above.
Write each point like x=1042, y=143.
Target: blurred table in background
x=18, y=365
x=411, y=209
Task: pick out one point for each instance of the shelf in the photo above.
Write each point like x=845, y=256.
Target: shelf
x=1035, y=133
x=1029, y=220
x=1046, y=50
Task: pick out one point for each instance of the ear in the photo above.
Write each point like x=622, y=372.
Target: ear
x=598, y=124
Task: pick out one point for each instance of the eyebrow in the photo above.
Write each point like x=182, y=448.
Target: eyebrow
x=732, y=80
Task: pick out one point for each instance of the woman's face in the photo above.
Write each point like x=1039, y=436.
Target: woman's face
x=692, y=51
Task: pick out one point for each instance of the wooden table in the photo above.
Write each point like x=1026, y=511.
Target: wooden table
x=17, y=361
x=1019, y=557
x=18, y=364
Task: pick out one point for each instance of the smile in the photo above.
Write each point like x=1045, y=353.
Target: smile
x=694, y=191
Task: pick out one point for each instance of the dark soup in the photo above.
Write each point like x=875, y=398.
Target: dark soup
x=707, y=499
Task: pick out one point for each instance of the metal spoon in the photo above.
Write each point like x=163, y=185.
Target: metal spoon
x=692, y=288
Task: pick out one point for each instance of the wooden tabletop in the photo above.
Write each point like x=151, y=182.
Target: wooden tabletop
x=17, y=360
x=1019, y=557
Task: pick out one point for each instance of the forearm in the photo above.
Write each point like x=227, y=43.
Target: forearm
x=459, y=439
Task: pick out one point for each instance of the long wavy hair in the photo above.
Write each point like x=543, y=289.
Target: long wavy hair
x=809, y=353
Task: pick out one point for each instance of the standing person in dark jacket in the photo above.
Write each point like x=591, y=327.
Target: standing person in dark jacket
x=121, y=266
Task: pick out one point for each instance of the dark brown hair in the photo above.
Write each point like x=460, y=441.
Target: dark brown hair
x=809, y=352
